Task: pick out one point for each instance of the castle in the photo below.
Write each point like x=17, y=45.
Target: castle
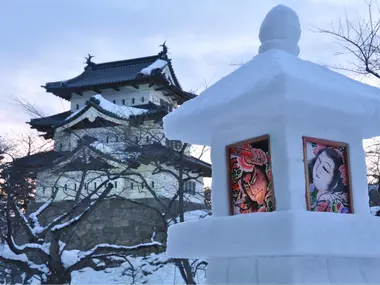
x=114, y=123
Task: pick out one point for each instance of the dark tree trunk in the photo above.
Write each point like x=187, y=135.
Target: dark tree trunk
x=58, y=278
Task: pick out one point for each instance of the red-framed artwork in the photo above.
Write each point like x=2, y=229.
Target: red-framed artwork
x=250, y=176
x=328, y=179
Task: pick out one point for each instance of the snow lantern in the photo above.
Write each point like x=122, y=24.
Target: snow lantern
x=289, y=188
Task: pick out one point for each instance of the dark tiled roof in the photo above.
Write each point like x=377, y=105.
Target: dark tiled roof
x=40, y=160
x=48, y=124
x=50, y=120
x=164, y=154
x=108, y=74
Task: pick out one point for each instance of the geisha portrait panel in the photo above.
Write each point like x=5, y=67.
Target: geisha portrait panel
x=250, y=176
x=328, y=185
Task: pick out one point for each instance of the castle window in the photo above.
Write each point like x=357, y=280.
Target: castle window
x=65, y=186
x=94, y=185
x=115, y=184
x=133, y=100
x=152, y=184
x=131, y=185
x=147, y=139
x=123, y=101
x=75, y=186
x=142, y=99
x=189, y=187
x=107, y=139
x=77, y=106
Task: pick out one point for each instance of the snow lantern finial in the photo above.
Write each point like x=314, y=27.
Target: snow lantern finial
x=280, y=30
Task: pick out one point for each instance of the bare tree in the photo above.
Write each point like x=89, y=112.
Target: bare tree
x=167, y=161
x=41, y=255
x=359, y=39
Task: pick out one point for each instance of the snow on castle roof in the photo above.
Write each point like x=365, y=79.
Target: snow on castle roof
x=120, y=111
x=277, y=84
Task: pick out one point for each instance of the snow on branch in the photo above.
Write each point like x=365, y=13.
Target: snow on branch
x=28, y=247
x=70, y=222
x=116, y=248
x=107, y=250
x=25, y=221
x=21, y=260
x=34, y=215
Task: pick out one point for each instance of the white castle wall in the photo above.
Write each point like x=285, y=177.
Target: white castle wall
x=165, y=185
x=141, y=96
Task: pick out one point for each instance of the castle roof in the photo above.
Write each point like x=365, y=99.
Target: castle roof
x=102, y=158
x=154, y=70
x=103, y=107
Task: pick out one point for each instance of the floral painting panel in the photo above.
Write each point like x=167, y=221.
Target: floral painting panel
x=251, y=177
x=327, y=177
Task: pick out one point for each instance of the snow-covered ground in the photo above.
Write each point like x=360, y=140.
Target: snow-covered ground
x=137, y=270
x=144, y=273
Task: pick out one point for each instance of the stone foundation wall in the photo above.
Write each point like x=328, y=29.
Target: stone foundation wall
x=115, y=221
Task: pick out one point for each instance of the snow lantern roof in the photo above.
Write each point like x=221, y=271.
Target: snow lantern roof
x=276, y=85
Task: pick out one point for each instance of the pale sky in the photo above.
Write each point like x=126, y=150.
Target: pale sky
x=44, y=40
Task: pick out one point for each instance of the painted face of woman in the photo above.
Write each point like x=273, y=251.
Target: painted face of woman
x=323, y=172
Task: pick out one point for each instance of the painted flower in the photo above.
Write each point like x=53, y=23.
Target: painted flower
x=248, y=157
x=345, y=210
x=235, y=187
x=343, y=174
x=322, y=207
